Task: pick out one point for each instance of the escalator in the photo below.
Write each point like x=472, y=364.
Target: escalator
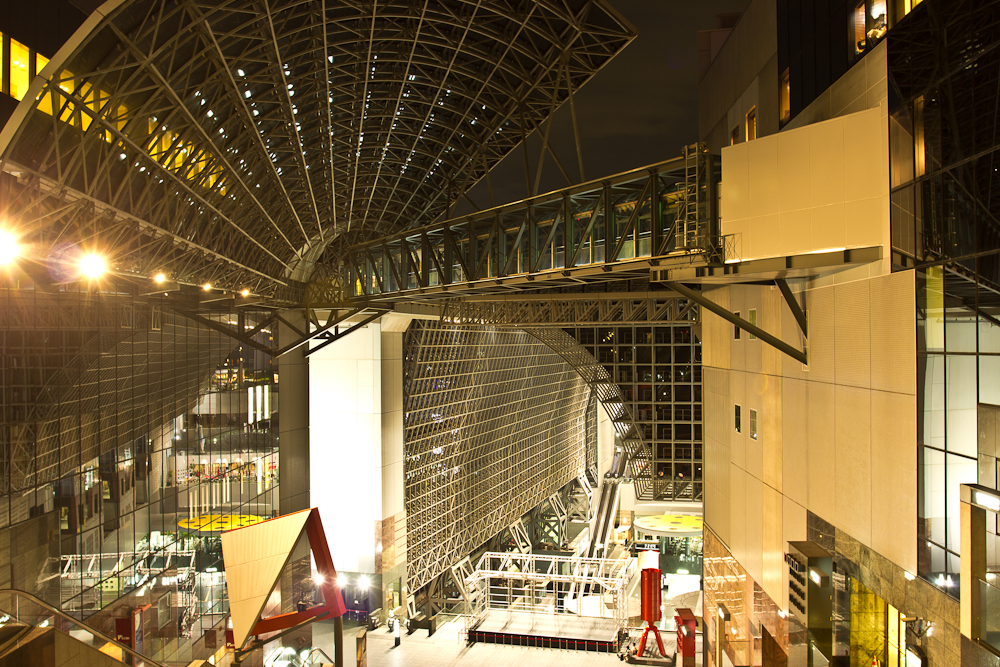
x=34, y=632
x=604, y=520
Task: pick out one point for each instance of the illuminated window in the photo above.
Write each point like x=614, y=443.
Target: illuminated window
x=739, y=427
x=785, y=98
x=753, y=423
x=752, y=124
x=734, y=136
x=20, y=76
x=856, y=31
x=752, y=318
x=919, y=148
x=3, y=59
x=736, y=328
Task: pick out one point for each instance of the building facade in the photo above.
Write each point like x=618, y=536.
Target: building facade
x=833, y=509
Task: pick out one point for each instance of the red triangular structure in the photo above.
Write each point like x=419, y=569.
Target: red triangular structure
x=255, y=556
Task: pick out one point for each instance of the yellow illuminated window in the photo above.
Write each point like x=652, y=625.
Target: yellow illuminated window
x=3, y=70
x=856, y=30
x=20, y=77
x=785, y=100
x=40, y=62
x=734, y=136
x=752, y=124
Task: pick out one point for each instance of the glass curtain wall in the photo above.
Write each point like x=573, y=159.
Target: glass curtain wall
x=132, y=436
x=944, y=204
x=659, y=371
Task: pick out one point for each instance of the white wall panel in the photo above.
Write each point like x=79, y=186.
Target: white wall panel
x=346, y=446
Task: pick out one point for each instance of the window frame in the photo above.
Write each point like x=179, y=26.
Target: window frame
x=753, y=424
x=752, y=319
x=738, y=418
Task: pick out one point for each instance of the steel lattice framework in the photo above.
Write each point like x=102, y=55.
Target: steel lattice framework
x=84, y=374
x=234, y=142
x=495, y=424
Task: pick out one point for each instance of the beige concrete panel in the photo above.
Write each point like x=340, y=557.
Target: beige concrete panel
x=245, y=614
x=770, y=432
x=792, y=334
x=738, y=396
x=854, y=462
x=827, y=227
x=771, y=304
x=716, y=332
x=763, y=186
x=392, y=384
x=876, y=64
x=793, y=171
x=893, y=333
x=773, y=545
x=826, y=163
x=894, y=477
x=764, y=237
x=821, y=452
x=738, y=304
x=793, y=529
x=794, y=232
x=754, y=500
x=736, y=181
x=865, y=179
x=794, y=440
x=866, y=222
x=738, y=515
x=848, y=89
x=853, y=334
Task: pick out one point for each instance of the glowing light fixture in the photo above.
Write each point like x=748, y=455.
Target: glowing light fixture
x=93, y=266
x=9, y=247
x=364, y=582
x=207, y=287
x=245, y=292
x=160, y=277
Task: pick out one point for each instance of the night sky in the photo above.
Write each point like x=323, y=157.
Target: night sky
x=640, y=109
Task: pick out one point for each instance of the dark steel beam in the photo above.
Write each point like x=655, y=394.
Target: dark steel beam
x=793, y=305
x=725, y=314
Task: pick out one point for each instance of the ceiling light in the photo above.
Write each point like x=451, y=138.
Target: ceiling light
x=160, y=277
x=9, y=247
x=245, y=292
x=207, y=287
x=93, y=266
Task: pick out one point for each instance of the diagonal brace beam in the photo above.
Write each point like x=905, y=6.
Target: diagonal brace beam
x=340, y=334
x=793, y=305
x=319, y=332
x=222, y=328
x=708, y=304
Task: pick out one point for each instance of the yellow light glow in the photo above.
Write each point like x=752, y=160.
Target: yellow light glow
x=93, y=266
x=9, y=247
x=207, y=287
x=245, y=292
x=160, y=277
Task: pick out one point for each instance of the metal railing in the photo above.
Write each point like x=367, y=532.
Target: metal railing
x=25, y=608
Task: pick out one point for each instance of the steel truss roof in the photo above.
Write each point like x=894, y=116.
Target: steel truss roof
x=233, y=142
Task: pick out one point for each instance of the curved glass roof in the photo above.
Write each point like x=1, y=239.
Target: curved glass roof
x=234, y=142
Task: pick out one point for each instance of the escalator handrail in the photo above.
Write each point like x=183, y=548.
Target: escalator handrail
x=76, y=622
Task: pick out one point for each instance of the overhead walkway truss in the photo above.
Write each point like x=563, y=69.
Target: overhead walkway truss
x=593, y=232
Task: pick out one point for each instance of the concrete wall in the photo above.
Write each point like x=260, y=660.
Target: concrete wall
x=815, y=188
x=836, y=437
x=748, y=61
x=345, y=429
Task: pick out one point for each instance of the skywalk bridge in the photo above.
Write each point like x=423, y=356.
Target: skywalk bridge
x=606, y=230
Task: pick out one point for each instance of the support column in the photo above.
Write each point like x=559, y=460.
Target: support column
x=293, y=429
x=973, y=568
x=293, y=458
